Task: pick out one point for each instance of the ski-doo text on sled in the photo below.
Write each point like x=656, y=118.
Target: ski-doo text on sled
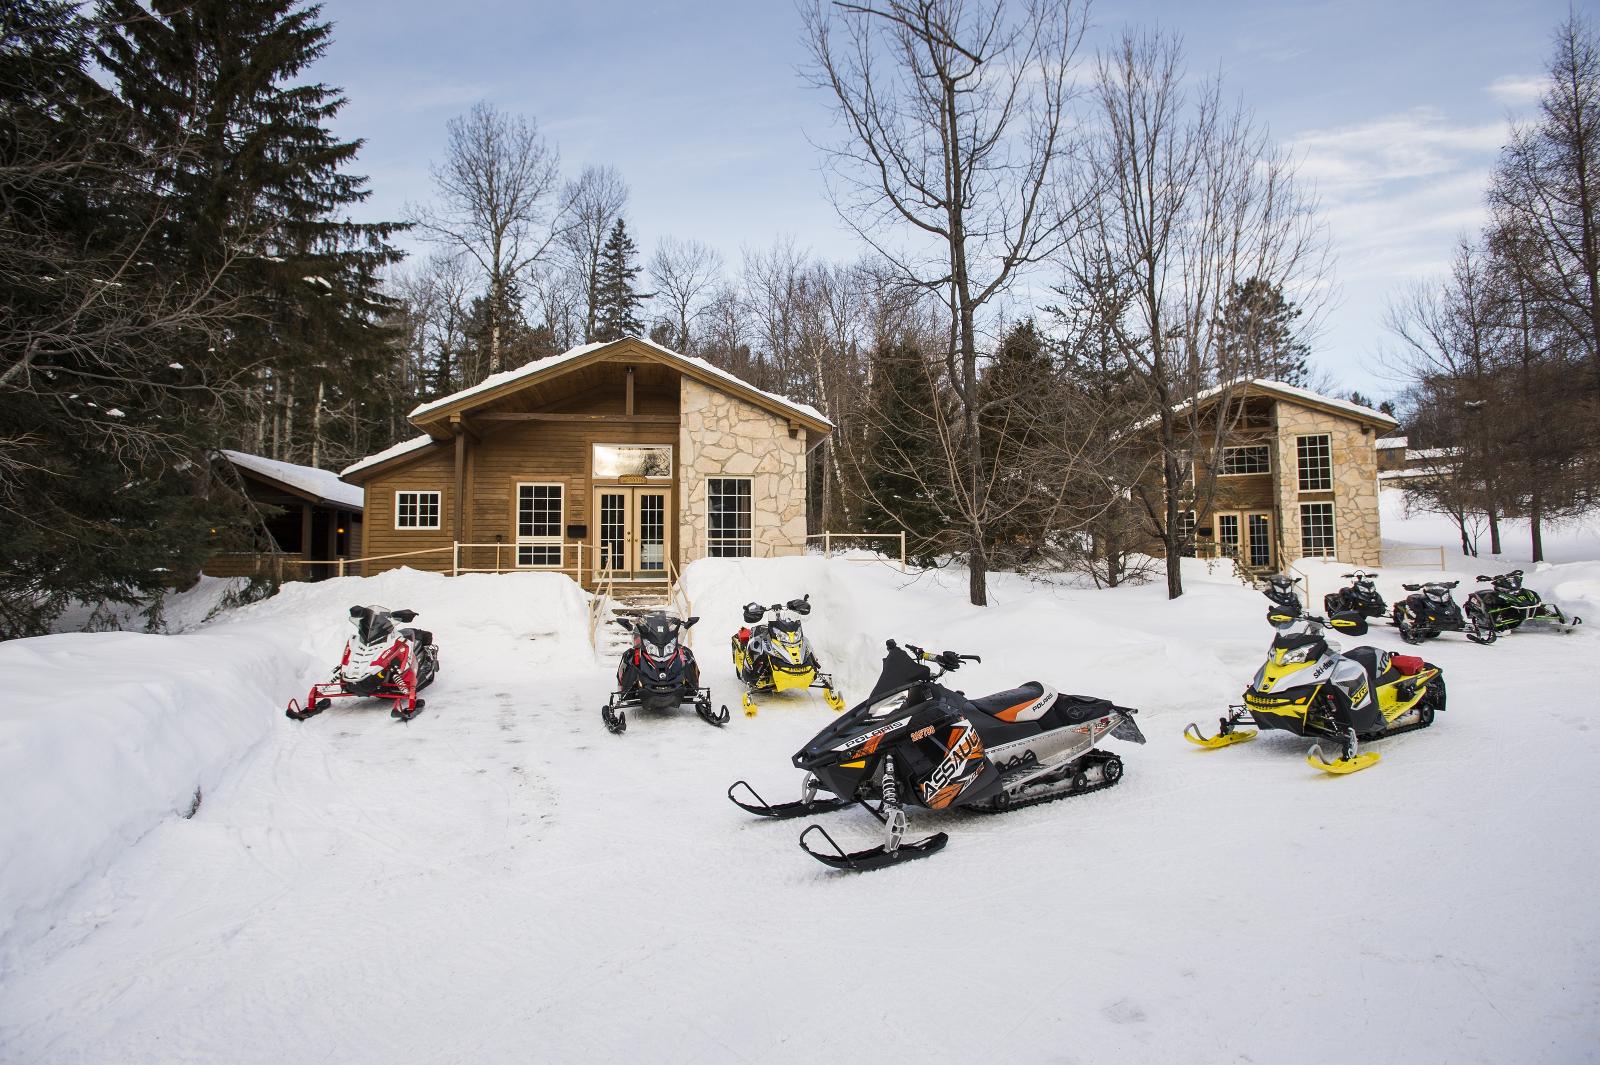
x=914, y=741
x=1309, y=688
x=775, y=656
x=1360, y=595
x=1508, y=605
x=1430, y=609
x=658, y=673
x=381, y=661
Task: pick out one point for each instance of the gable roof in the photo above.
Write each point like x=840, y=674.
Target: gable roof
x=308, y=482
x=1304, y=396
x=500, y=384
x=404, y=447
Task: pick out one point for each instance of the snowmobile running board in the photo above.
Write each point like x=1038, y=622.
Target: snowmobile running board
x=874, y=857
x=783, y=810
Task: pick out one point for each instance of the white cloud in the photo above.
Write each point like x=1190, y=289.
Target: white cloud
x=1516, y=89
x=1354, y=161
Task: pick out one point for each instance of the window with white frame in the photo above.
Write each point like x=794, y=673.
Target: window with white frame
x=1316, y=530
x=1315, y=454
x=615, y=461
x=539, y=521
x=1245, y=459
x=416, y=510
x=728, y=517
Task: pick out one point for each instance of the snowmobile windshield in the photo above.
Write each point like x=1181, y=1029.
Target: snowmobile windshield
x=372, y=623
x=1309, y=643
x=787, y=626
x=899, y=670
x=659, y=637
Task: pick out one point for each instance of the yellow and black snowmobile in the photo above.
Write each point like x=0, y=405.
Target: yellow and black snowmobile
x=775, y=656
x=1310, y=688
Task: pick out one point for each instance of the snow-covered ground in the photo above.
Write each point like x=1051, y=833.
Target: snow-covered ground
x=502, y=880
x=1574, y=539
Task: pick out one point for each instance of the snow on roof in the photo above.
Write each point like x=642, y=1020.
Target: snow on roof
x=404, y=447
x=1392, y=443
x=537, y=366
x=1293, y=392
x=1432, y=453
x=324, y=484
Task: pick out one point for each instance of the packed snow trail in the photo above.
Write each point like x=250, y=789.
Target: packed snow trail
x=502, y=880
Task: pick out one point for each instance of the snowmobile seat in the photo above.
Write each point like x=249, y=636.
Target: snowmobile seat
x=1396, y=667
x=1011, y=704
x=1076, y=709
x=422, y=637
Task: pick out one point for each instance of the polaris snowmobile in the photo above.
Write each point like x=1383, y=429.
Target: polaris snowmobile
x=1508, y=605
x=1360, y=596
x=380, y=662
x=1308, y=687
x=915, y=741
x=658, y=673
x=775, y=656
x=1430, y=610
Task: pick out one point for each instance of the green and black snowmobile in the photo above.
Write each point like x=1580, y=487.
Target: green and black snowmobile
x=1508, y=605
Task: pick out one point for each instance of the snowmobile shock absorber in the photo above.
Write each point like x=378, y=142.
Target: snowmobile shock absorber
x=894, y=816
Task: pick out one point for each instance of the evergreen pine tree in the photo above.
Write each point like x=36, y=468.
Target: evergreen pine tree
x=261, y=189
x=1016, y=390
x=617, y=311
x=1258, y=334
x=903, y=474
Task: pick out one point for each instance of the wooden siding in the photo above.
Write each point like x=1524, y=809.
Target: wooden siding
x=432, y=471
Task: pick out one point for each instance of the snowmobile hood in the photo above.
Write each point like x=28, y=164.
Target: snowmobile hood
x=895, y=699
x=373, y=623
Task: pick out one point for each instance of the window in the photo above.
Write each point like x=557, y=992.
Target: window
x=416, y=510
x=1247, y=458
x=1186, y=532
x=1316, y=463
x=539, y=520
x=1228, y=534
x=728, y=517
x=1316, y=530
x=615, y=461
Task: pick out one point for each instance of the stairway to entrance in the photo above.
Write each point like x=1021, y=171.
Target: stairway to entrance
x=631, y=602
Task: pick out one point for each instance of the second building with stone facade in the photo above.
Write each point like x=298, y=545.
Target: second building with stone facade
x=616, y=461
x=1297, y=476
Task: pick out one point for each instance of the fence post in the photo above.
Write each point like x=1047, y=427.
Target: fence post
x=827, y=543
x=455, y=558
x=341, y=567
x=902, y=550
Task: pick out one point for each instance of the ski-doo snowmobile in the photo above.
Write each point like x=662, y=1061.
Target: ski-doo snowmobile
x=1508, y=605
x=1430, y=610
x=1281, y=590
x=380, y=661
x=1310, y=688
x=658, y=673
x=775, y=656
x=914, y=741
x=1360, y=596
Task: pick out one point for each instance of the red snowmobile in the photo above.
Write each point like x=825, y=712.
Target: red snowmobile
x=380, y=662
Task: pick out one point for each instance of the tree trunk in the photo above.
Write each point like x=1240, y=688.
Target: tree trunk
x=1494, y=532
x=1536, y=524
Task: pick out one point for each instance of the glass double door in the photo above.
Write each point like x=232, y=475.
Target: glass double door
x=632, y=532
x=1246, y=535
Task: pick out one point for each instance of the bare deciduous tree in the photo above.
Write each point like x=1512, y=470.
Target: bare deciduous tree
x=683, y=272
x=592, y=203
x=958, y=122
x=498, y=206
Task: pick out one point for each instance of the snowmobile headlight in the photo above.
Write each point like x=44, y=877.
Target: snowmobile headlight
x=662, y=650
x=887, y=707
x=1296, y=655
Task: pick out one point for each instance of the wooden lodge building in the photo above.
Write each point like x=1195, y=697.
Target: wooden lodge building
x=307, y=520
x=1298, y=478
x=619, y=460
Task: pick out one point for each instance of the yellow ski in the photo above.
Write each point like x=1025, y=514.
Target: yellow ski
x=749, y=706
x=1340, y=766
x=1226, y=739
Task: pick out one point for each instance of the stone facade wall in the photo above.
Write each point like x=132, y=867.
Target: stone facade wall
x=722, y=436
x=1357, y=537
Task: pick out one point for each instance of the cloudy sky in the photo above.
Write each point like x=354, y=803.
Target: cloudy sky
x=1395, y=109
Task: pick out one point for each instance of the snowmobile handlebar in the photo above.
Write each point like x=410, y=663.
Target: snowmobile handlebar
x=946, y=660
x=1429, y=584
x=1513, y=575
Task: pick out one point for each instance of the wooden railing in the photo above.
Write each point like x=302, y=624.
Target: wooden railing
x=828, y=539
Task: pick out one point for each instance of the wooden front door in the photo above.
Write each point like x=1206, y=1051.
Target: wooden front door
x=632, y=533
x=1247, y=536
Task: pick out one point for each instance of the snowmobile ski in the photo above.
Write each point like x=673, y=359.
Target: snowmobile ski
x=402, y=713
x=1225, y=738
x=783, y=810
x=879, y=857
x=1341, y=766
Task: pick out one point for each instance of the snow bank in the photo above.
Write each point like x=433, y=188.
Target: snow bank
x=104, y=736
x=180, y=611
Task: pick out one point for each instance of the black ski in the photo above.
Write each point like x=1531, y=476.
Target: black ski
x=783, y=810
x=878, y=857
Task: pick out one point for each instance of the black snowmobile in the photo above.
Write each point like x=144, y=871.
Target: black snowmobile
x=775, y=656
x=915, y=741
x=1282, y=591
x=1430, y=610
x=1508, y=605
x=658, y=673
x=1359, y=597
